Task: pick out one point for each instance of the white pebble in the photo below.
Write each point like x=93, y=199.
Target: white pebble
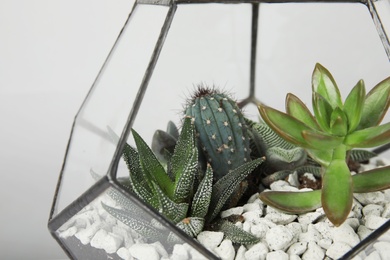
x=124, y=253
x=295, y=228
x=225, y=250
x=376, y=197
x=194, y=254
x=232, y=211
x=325, y=243
x=308, y=218
x=295, y=257
x=312, y=234
x=386, y=211
x=297, y=248
x=373, y=256
x=372, y=209
x=160, y=249
x=252, y=207
x=353, y=223
x=383, y=249
x=278, y=217
x=279, y=254
x=259, y=230
x=345, y=234
x=293, y=179
x=110, y=242
x=256, y=252
x=253, y=216
x=282, y=186
x=363, y=232
x=255, y=199
x=179, y=252
x=240, y=255
x=324, y=229
x=85, y=235
x=337, y=250
x=69, y=232
x=210, y=239
x=279, y=238
x=313, y=252
x=374, y=222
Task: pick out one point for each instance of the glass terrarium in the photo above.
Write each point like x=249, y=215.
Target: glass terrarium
x=257, y=50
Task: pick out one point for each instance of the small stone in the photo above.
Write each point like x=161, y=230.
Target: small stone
x=254, y=199
x=374, y=222
x=144, y=252
x=259, y=230
x=383, y=248
x=225, y=250
x=353, y=223
x=256, y=252
x=108, y=241
x=313, y=252
x=179, y=252
x=124, y=253
x=246, y=226
x=279, y=238
x=210, y=239
x=85, y=235
x=194, y=254
x=363, y=232
x=386, y=211
x=337, y=250
x=160, y=249
x=278, y=254
x=253, y=216
x=252, y=207
x=293, y=179
x=232, y=211
x=68, y=233
x=295, y=228
x=325, y=243
x=295, y=257
x=376, y=197
x=297, y=248
x=345, y=234
x=374, y=256
x=308, y=218
x=372, y=209
x=278, y=217
x=312, y=234
x=240, y=255
x=324, y=229
x=282, y=186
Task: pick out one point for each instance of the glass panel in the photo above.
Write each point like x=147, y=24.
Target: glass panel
x=109, y=102
x=207, y=44
x=115, y=227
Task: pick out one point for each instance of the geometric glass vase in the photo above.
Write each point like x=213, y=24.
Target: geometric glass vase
x=258, y=50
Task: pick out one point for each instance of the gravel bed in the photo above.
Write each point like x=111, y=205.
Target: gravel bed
x=282, y=236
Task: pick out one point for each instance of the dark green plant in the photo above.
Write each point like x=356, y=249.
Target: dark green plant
x=328, y=137
x=181, y=191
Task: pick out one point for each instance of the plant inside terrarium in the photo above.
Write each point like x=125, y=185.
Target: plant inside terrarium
x=328, y=138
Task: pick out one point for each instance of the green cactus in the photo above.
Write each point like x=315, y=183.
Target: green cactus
x=193, y=205
x=220, y=129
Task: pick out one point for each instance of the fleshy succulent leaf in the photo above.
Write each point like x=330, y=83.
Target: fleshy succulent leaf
x=163, y=145
x=284, y=125
x=136, y=223
x=292, y=202
x=322, y=111
x=192, y=226
x=184, y=162
x=338, y=122
x=202, y=197
x=337, y=191
x=369, y=137
x=323, y=140
x=372, y=180
x=376, y=105
x=353, y=105
x=172, y=130
x=324, y=84
x=225, y=186
x=359, y=155
x=172, y=210
x=270, y=138
x=234, y=233
x=151, y=166
x=297, y=109
x=140, y=183
x=286, y=159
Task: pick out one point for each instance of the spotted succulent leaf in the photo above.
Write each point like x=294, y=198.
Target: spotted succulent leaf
x=191, y=225
x=136, y=223
x=151, y=167
x=184, y=162
x=234, y=233
x=359, y=155
x=226, y=186
x=202, y=197
x=286, y=159
x=169, y=208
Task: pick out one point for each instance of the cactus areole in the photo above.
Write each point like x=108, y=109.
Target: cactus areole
x=220, y=129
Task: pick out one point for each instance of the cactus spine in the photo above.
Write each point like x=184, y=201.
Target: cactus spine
x=220, y=129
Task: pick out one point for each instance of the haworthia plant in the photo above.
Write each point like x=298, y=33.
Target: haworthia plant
x=173, y=190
